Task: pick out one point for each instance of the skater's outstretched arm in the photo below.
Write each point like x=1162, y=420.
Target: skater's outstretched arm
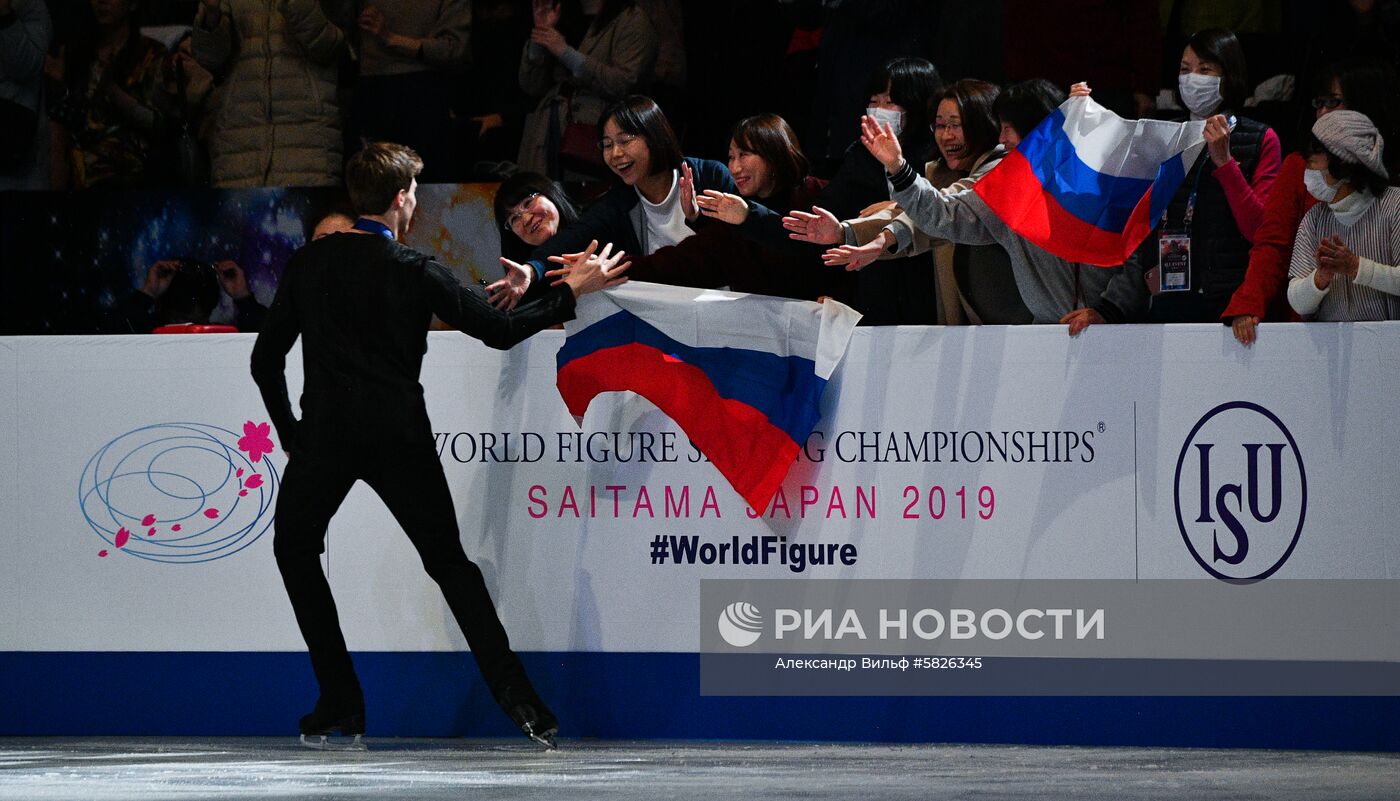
x=469, y=313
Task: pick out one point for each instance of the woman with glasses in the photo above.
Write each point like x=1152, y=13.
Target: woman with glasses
x=1052, y=290
x=966, y=131
x=655, y=205
x=530, y=209
x=1367, y=86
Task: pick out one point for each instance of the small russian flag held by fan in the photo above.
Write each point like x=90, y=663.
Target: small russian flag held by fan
x=1088, y=185
x=742, y=375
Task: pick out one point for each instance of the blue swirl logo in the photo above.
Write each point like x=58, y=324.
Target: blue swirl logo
x=180, y=493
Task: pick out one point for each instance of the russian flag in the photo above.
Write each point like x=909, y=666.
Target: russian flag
x=1088, y=185
x=742, y=375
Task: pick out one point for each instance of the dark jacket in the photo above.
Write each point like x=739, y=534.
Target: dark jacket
x=1219, y=252
x=361, y=304
x=892, y=292
x=611, y=218
x=721, y=256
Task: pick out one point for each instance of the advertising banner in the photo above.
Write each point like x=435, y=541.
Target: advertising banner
x=141, y=482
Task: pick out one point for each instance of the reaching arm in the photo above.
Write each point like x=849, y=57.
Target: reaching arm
x=469, y=313
x=606, y=222
x=951, y=217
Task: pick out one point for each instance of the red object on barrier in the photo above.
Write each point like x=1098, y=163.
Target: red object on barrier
x=195, y=328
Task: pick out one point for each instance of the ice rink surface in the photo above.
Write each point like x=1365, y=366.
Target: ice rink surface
x=163, y=769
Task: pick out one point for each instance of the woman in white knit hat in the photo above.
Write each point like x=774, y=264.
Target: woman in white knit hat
x=1346, y=259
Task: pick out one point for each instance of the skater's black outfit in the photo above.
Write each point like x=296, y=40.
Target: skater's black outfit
x=361, y=304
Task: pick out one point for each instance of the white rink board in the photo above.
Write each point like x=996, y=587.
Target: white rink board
x=567, y=583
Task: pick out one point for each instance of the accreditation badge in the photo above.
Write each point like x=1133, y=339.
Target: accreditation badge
x=1174, y=262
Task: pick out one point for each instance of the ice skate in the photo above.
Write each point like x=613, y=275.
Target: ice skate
x=528, y=712
x=348, y=727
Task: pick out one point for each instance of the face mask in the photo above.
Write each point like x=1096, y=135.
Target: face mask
x=1317, y=185
x=884, y=115
x=1200, y=93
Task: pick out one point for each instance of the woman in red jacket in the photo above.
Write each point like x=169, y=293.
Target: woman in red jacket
x=1360, y=85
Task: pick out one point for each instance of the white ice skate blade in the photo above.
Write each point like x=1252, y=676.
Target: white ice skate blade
x=322, y=742
x=545, y=739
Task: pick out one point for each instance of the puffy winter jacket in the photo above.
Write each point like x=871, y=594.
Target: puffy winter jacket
x=279, y=124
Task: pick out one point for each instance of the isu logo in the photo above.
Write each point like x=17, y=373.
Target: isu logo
x=1241, y=492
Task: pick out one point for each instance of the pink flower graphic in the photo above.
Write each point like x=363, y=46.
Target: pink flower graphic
x=255, y=441
x=212, y=514
x=122, y=536
x=254, y=481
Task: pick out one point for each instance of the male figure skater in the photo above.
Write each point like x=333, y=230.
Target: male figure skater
x=361, y=303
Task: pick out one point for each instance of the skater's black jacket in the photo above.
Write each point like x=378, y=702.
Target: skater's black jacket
x=362, y=304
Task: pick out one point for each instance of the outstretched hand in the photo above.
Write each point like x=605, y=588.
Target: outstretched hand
x=590, y=271
x=507, y=292
x=820, y=227
x=723, y=206
x=880, y=140
x=855, y=257
x=688, y=201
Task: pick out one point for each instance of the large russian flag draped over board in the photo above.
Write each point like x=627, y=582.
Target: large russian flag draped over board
x=742, y=375
x=1088, y=185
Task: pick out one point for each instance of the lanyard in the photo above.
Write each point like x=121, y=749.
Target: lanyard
x=373, y=227
x=1195, y=187
x=1190, y=202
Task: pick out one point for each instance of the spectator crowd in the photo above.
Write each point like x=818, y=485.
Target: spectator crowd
x=802, y=148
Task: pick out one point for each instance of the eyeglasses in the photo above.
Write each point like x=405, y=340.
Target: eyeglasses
x=1329, y=102
x=947, y=126
x=521, y=209
x=623, y=141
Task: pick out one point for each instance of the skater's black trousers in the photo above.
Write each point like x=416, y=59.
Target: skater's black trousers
x=410, y=481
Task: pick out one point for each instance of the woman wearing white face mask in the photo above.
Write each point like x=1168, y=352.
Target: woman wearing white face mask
x=1215, y=214
x=1347, y=251
x=1364, y=85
